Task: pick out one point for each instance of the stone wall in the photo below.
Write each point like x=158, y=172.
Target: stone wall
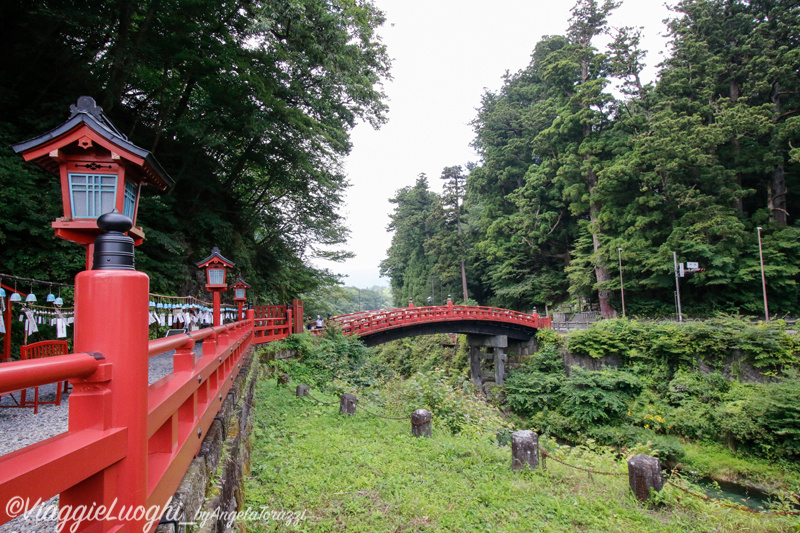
x=214, y=483
x=734, y=366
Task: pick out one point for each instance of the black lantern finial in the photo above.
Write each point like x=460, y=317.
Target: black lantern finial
x=113, y=250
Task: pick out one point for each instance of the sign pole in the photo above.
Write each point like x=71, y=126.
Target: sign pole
x=763, y=277
x=677, y=286
x=621, y=288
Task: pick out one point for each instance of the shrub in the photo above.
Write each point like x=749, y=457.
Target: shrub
x=592, y=396
x=322, y=360
x=617, y=336
x=459, y=410
x=762, y=418
x=530, y=392
x=691, y=387
x=668, y=346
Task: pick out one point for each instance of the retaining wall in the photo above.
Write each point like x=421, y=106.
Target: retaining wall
x=213, y=486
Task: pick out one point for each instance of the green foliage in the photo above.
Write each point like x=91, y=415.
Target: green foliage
x=549, y=337
x=371, y=475
x=424, y=353
x=458, y=409
x=538, y=385
x=606, y=337
x=247, y=105
x=338, y=300
x=600, y=395
x=333, y=357
x=671, y=347
x=763, y=418
x=657, y=394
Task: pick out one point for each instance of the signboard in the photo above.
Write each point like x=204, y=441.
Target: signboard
x=692, y=266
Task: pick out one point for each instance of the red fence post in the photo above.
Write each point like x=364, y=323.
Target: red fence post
x=7, y=336
x=297, y=305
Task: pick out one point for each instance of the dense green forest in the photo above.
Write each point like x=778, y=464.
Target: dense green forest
x=584, y=166
x=248, y=105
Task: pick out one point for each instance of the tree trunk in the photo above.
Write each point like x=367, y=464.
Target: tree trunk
x=600, y=270
x=733, y=93
x=776, y=195
x=464, y=281
x=776, y=191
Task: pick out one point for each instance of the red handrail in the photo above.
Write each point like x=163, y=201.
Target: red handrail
x=183, y=404
x=37, y=372
x=181, y=408
x=42, y=470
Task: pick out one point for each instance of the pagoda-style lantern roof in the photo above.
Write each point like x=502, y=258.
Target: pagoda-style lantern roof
x=215, y=257
x=240, y=291
x=216, y=267
x=100, y=170
x=240, y=284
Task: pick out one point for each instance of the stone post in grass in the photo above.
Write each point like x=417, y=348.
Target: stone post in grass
x=347, y=404
x=302, y=390
x=421, y=423
x=283, y=379
x=644, y=473
x=524, y=449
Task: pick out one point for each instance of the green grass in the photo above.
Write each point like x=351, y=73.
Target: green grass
x=365, y=474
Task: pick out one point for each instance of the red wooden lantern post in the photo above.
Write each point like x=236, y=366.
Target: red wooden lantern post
x=240, y=296
x=100, y=171
x=216, y=266
x=101, y=176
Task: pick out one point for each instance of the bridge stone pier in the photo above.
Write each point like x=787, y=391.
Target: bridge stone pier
x=497, y=349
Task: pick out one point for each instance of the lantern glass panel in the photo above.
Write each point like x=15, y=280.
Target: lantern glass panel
x=240, y=293
x=216, y=276
x=130, y=199
x=92, y=195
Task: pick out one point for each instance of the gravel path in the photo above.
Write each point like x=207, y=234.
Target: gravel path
x=19, y=427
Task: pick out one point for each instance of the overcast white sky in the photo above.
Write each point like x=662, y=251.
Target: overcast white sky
x=445, y=54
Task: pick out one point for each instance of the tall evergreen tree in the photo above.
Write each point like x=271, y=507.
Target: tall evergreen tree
x=453, y=199
x=407, y=265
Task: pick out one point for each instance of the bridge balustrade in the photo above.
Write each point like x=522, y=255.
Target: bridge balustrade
x=180, y=408
x=128, y=443
x=272, y=322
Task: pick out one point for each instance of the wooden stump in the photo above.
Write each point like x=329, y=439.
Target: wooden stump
x=524, y=450
x=302, y=390
x=644, y=473
x=283, y=379
x=421, y=423
x=347, y=404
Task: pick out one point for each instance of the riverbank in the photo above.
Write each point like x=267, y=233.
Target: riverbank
x=362, y=473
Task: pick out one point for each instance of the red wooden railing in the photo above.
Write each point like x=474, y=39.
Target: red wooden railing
x=128, y=444
x=369, y=322
x=183, y=404
x=272, y=322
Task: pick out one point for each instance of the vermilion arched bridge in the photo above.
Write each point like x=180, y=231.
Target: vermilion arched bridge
x=383, y=325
